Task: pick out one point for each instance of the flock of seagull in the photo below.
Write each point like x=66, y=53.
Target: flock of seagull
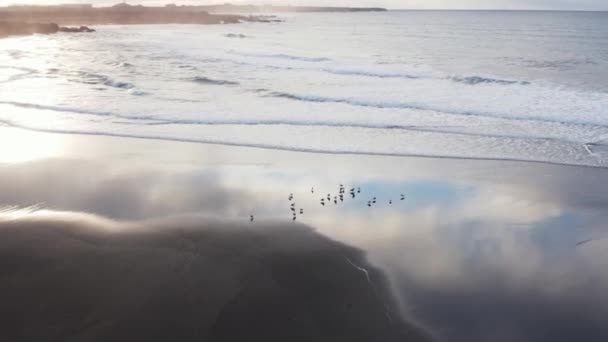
x=353, y=192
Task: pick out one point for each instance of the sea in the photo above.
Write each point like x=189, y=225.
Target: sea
x=530, y=86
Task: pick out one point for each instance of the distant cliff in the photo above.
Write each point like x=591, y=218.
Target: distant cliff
x=23, y=20
x=119, y=14
x=282, y=9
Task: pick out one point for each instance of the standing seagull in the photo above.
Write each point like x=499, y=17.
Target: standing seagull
x=402, y=197
x=312, y=190
x=301, y=211
x=250, y=218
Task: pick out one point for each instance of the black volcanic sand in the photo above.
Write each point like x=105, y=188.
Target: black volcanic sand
x=74, y=277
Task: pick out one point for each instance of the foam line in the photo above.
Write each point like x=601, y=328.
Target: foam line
x=415, y=106
x=285, y=148
x=148, y=120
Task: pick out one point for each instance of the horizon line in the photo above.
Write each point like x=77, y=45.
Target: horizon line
x=330, y=6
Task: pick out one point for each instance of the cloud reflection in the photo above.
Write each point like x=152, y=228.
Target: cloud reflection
x=119, y=193
x=471, y=254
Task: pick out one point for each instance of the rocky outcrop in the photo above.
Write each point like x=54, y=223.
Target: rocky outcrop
x=24, y=29
x=76, y=29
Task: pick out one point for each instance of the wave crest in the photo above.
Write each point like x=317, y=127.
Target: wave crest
x=474, y=80
x=207, y=80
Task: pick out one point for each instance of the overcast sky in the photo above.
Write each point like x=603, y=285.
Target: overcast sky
x=414, y=4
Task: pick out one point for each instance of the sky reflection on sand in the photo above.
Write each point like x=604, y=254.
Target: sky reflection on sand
x=477, y=250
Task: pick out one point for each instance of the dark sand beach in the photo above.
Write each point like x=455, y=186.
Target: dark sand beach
x=107, y=238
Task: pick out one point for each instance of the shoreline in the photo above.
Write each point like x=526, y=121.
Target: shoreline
x=287, y=149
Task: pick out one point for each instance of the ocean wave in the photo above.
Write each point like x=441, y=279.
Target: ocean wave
x=16, y=54
x=75, y=110
x=86, y=77
x=370, y=73
x=284, y=57
x=159, y=120
x=557, y=64
x=373, y=72
x=123, y=64
x=137, y=92
x=118, y=84
x=348, y=101
x=300, y=58
x=424, y=107
x=235, y=35
x=186, y=66
x=474, y=80
x=336, y=70
x=207, y=80
x=22, y=72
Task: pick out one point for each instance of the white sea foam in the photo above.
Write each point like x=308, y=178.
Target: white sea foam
x=340, y=92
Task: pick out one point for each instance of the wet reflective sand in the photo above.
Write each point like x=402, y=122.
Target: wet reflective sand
x=104, y=238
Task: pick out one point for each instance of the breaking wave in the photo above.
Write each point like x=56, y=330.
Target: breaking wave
x=20, y=72
x=284, y=57
x=474, y=80
x=207, y=80
x=427, y=107
x=118, y=84
x=91, y=78
x=369, y=71
x=168, y=120
x=235, y=35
